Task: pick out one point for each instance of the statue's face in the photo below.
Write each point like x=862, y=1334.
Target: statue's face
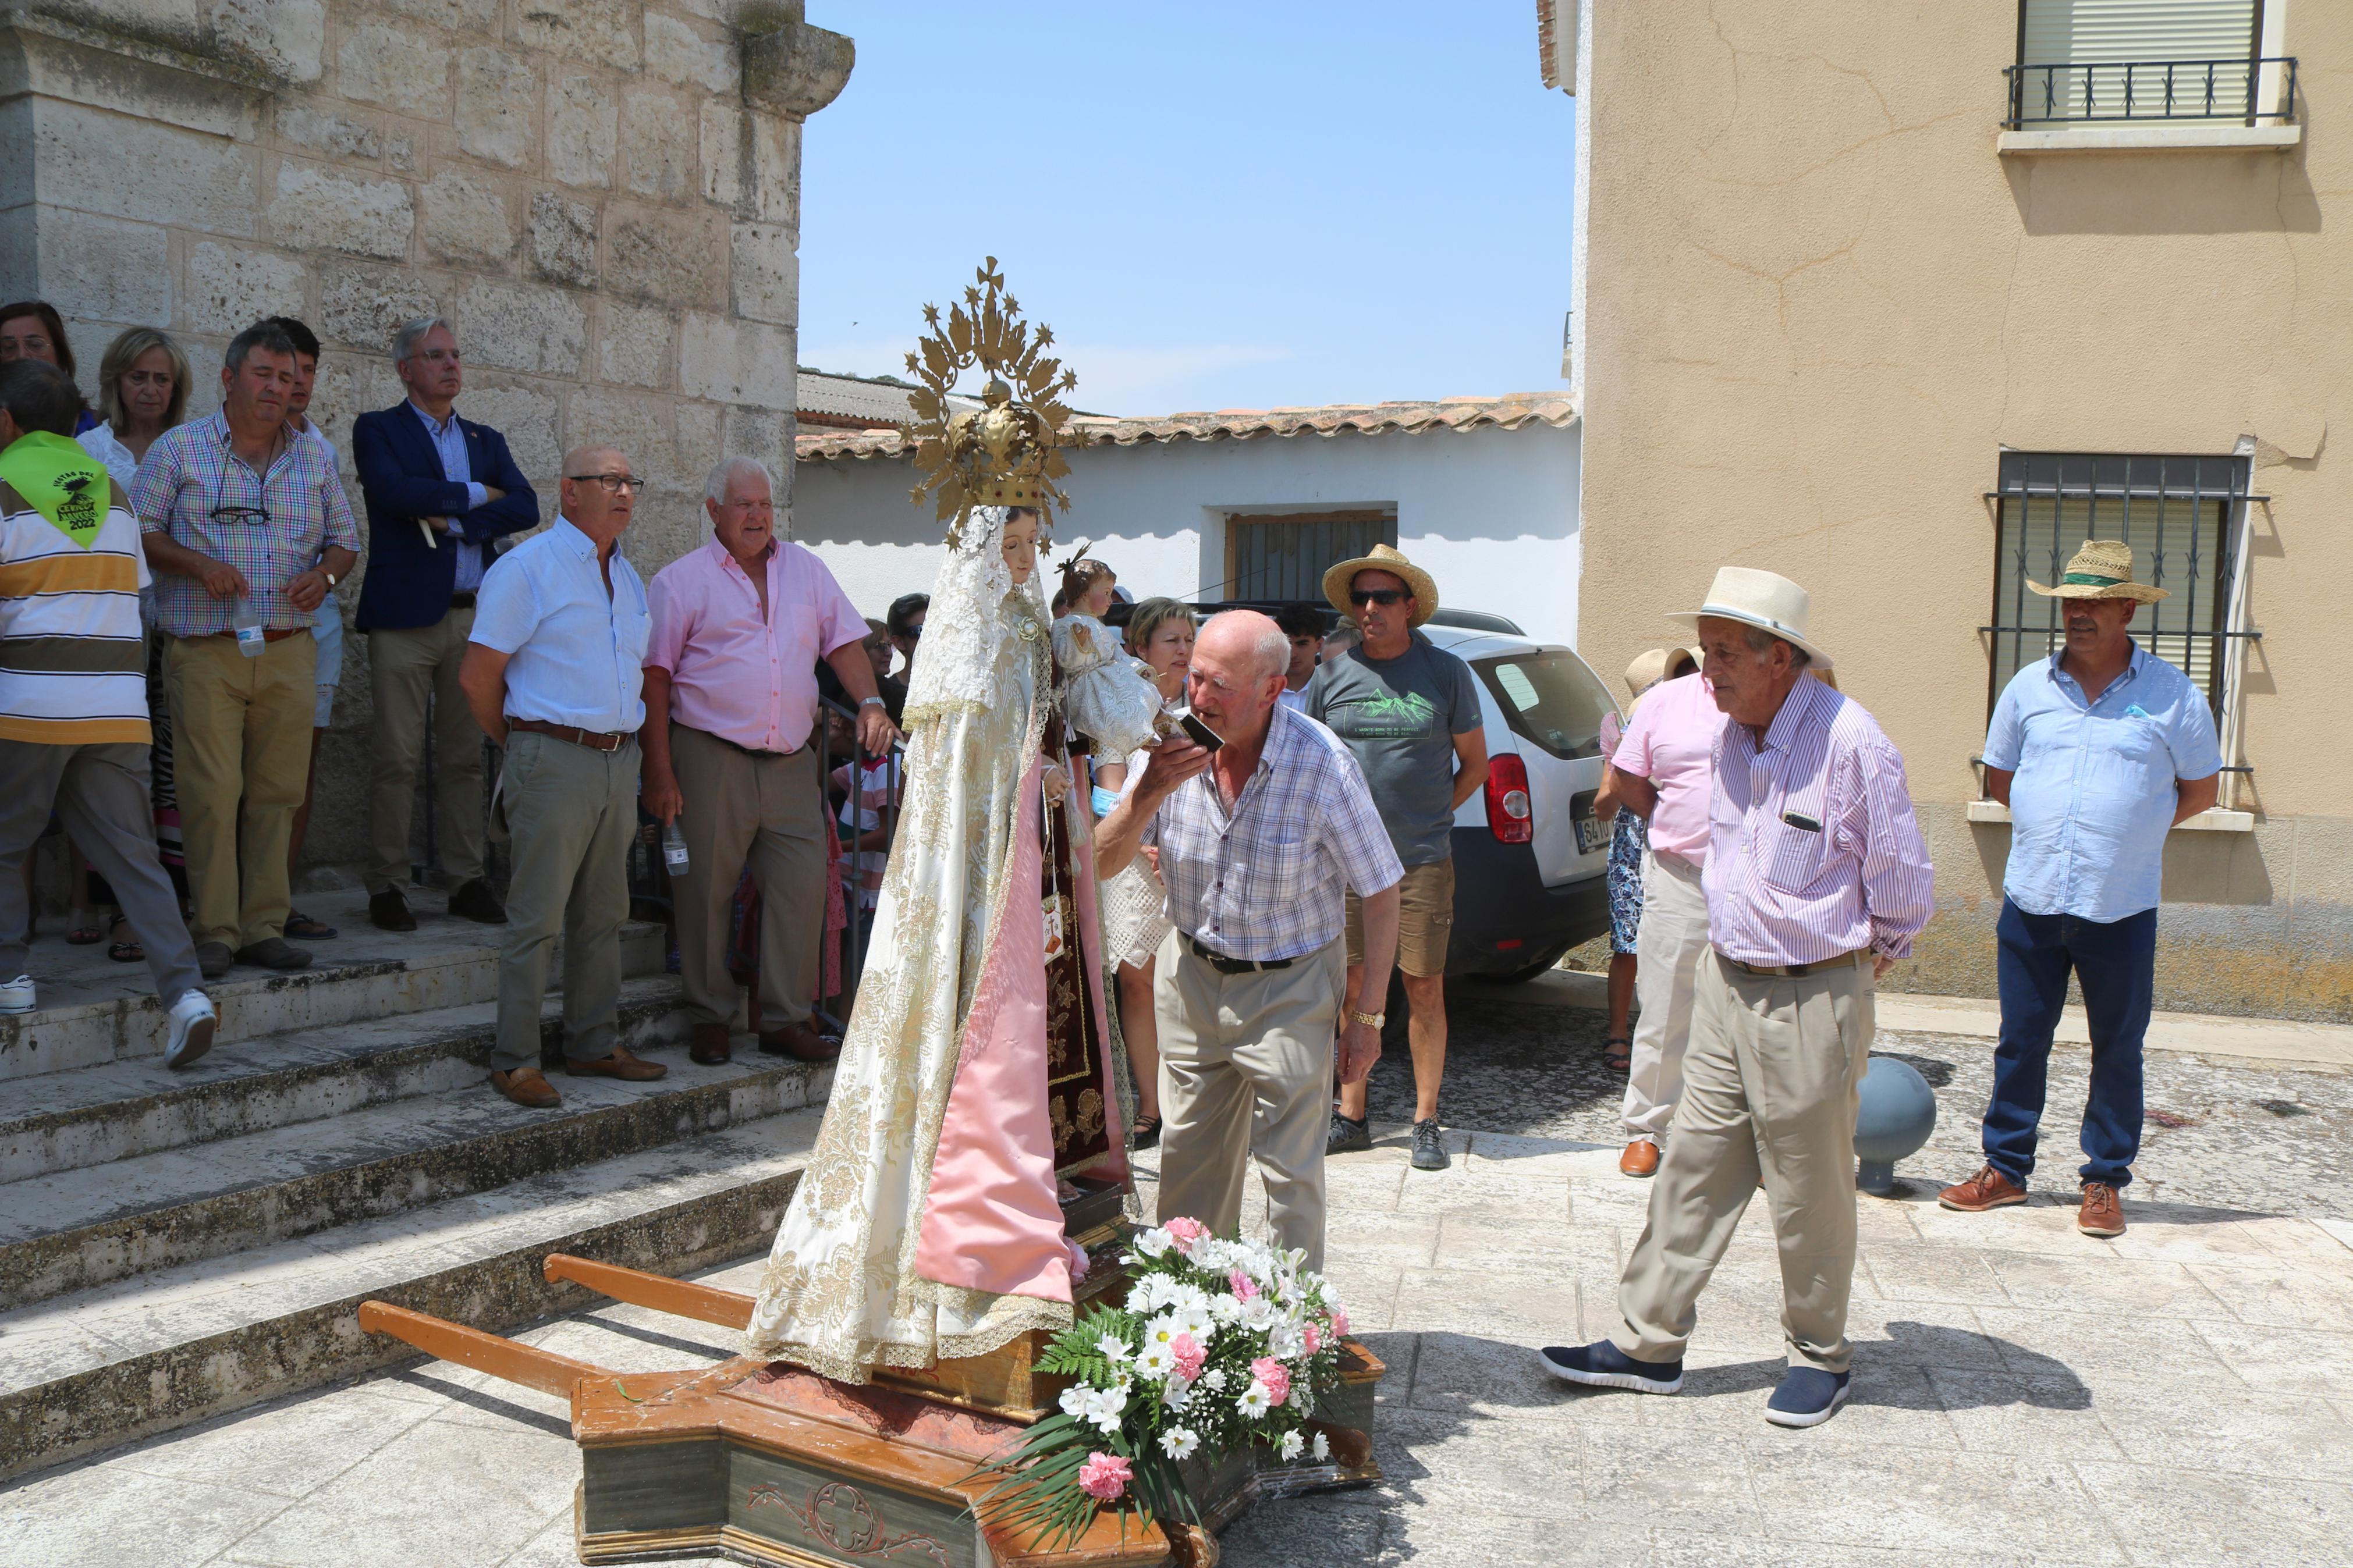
x=1020, y=544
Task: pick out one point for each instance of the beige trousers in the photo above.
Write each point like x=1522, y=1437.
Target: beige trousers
x=405, y=667
x=770, y=810
x=570, y=812
x=1246, y=1070
x=241, y=752
x=1769, y=1087
x=1668, y=946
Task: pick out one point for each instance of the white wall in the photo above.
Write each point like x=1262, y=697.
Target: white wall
x=1491, y=513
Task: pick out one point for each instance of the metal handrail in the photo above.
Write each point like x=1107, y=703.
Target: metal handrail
x=2149, y=90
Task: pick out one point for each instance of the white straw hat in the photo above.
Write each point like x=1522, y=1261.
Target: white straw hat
x=1765, y=599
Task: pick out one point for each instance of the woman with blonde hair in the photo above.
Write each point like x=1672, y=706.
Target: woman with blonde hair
x=142, y=390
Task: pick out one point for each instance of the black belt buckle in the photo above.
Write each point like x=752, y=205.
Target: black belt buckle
x=1225, y=965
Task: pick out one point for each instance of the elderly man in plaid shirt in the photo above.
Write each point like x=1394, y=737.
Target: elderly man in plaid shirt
x=1257, y=842
x=247, y=529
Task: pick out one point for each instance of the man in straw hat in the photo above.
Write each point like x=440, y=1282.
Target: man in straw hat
x=2097, y=750
x=1408, y=713
x=1663, y=770
x=1817, y=880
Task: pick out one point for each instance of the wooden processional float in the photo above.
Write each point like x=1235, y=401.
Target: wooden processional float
x=765, y=1462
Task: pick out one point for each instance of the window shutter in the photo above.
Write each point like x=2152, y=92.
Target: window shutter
x=2086, y=32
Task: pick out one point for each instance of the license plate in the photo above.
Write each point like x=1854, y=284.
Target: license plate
x=1592, y=834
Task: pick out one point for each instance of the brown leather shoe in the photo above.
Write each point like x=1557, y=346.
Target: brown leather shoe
x=1641, y=1159
x=709, y=1047
x=2102, y=1213
x=526, y=1086
x=799, y=1041
x=1989, y=1189
x=620, y=1065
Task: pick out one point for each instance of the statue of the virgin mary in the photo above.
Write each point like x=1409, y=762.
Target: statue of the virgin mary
x=975, y=1075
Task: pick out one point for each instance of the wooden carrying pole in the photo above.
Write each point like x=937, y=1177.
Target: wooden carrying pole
x=532, y=1368
x=679, y=1298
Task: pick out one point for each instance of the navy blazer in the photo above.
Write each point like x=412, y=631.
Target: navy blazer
x=407, y=584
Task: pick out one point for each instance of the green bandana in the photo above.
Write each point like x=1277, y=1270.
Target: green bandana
x=63, y=483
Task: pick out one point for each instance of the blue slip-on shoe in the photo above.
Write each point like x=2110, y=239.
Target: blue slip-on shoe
x=1602, y=1364
x=1808, y=1397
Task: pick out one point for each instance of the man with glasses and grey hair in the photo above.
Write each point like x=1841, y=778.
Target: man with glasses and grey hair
x=441, y=493
x=553, y=671
x=247, y=529
x=730, y=702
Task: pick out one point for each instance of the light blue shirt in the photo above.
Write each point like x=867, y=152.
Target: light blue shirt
x=2095, y=792
x=450, y=441
x=576, y=656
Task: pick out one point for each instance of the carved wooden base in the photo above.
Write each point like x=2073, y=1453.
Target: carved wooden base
x=769, y=1463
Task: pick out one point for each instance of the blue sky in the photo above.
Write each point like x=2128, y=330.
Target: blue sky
x=1215, y=205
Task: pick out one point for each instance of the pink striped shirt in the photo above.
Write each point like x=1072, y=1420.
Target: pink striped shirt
x=733, y=675
x=1813, y=849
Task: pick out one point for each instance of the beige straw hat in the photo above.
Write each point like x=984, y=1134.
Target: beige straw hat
x=1419, y=582
x=1765, y=599
x=2102, y=569
x=1653, y=666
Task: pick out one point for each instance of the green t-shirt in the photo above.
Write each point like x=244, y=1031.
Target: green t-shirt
x=1399, y=718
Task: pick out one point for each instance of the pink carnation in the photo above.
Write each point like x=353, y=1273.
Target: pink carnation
x=1275, y=1375
x=1244, y=1286
x=1186, y=1234
x=1105, y=1477
x=1189, y=1356
x=1339, y=1316
x=1311, y=1338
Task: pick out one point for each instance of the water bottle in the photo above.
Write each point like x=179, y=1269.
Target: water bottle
x=247, y=620
x=673, y=849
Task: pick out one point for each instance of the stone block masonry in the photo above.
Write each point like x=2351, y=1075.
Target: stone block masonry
x=594, y=192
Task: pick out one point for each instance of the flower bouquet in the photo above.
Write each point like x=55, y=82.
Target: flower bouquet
x=1222, y=1344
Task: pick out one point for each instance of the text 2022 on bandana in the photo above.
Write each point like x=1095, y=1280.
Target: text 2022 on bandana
x=60, y=481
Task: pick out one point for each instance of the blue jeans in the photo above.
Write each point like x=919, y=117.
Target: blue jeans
x=2115, y=964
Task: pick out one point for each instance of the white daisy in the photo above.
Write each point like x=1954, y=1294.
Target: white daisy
x=1160, y=1331
x=1323, y=1447
x=1154, y=1362
x=1225, y=1309
x=1255, y=1401
x=1291, y=1444
x=1179, y=1442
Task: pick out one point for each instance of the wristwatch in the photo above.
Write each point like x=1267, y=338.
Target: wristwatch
x=1370, y=1020
x=874, y=702
x=330, y=576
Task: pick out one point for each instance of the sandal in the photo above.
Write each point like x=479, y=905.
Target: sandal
x=1143, y=1132
x=85, y=936
x=1617, y=1053
x=302, y=928
x=120, y=951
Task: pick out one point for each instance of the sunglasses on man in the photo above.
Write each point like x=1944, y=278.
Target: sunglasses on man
x=1384, y=598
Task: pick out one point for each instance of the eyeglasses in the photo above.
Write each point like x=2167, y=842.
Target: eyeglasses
x=614, y=483
x=240, y=515
x=1381, y=597
x=913, y=633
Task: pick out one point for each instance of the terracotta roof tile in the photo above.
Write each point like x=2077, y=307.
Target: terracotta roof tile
x=1509, y=412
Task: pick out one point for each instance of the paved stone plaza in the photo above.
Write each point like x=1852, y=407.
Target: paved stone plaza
x=2182, y=1396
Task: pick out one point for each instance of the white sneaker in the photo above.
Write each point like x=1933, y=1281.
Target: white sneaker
x=193, y=1023
x=16, y=995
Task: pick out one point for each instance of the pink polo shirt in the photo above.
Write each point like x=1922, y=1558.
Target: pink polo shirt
x=731, y=675
x=1671, y=741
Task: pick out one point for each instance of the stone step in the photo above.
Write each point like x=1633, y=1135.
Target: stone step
x=94, y=1011
x=72, y=1120
x=75, y=1229
x=97, y=1367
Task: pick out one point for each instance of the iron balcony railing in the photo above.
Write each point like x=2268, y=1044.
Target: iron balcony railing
x=2075, y=92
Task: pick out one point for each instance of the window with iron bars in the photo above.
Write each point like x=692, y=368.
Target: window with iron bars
x=2112, y=61
x=2185, y=517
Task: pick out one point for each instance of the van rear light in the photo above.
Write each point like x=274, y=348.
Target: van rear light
x=1508, y=814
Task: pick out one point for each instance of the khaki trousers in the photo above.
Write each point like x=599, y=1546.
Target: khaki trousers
x=1246, y=1070
x=570, y=812
x=1668, y=946
x=772, y=811
x=240, y=752
x=404, y=668
x=1769, y=1087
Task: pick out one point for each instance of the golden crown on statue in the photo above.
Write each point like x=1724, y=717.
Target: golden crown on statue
x=1004, y=453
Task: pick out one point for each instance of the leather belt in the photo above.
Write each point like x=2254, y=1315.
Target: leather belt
x=463, y=601
x=595, y=739
x=1224, y=965
x=1794, y=971
x=269, y=634
x=737, y=746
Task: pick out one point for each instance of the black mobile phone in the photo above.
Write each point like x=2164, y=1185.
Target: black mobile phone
x=1200, y=734
x=1799, y=820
